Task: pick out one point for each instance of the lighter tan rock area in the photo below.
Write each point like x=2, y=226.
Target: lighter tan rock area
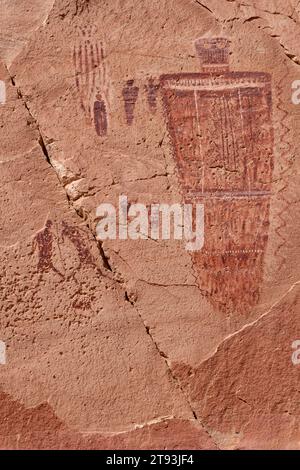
x=139, y=342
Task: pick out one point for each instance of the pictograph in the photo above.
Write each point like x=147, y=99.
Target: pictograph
x=220, y=126
x=91, y=78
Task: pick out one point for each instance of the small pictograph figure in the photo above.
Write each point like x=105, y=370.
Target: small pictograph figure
x=76, y=238
x=100, y=116
x=130, y=95
x=43, y=242
x=152, y=89
x=91, y=79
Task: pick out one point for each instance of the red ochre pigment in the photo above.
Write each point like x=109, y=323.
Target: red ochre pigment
x=222, y=138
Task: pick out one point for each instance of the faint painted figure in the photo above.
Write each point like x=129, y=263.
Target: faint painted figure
x=75, y=236
x=91, y=79
x=100, y=116
x=220, y=125
x=43, y=242
x=130, y=95
x=152, y=90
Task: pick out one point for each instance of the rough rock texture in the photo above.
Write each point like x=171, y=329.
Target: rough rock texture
x=138, y=343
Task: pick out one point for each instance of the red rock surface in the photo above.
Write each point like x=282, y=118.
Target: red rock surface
x=140, y=344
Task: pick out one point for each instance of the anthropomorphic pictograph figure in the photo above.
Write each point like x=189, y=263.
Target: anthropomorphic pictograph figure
x=220, y=125
x=100, y=116
x=91, y=79
x=151, y=89
x=75, y=236
x=130, y=95
x=43, y=242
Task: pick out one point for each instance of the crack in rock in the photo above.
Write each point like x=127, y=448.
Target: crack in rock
x=42, y=144
x=251, y=324
x=175, y=380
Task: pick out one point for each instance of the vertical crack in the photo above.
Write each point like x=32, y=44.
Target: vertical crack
x=105, y=261
x=42, y=144
x=175, y=380
x=44, y=148
x=105, y=258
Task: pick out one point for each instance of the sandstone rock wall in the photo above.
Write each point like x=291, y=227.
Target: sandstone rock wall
x=139, y=343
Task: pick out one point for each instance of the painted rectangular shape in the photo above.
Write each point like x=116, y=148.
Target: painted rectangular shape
x=220, y=127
